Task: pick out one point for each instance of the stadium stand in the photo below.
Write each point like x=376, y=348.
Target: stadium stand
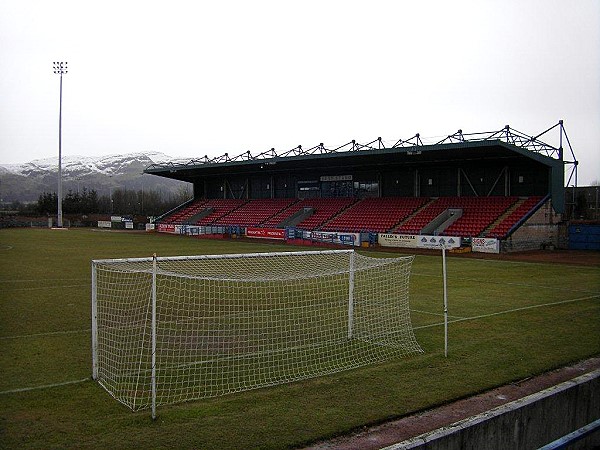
x=484, y=184
x=479, y=216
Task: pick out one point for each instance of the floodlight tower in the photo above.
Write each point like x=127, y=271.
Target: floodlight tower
x=60, y=68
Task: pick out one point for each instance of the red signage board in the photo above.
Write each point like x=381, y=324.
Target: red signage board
x=265, y=233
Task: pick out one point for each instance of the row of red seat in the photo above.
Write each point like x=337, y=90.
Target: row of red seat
x=477, y=214
x=185, y=213
x=255, y=212
x=371, y=214
x=220, y=208
x=375, y=214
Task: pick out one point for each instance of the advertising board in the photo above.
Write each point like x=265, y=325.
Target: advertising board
x=265, y=233
x=397, y=240
x=425, y=241
x=485, y=245
x=417, y=241
x=334, y=237
x=166, y=228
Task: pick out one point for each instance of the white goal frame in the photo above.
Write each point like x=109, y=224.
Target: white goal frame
x=382, y=343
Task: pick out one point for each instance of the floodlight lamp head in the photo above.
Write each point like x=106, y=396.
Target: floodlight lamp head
x=60, y=67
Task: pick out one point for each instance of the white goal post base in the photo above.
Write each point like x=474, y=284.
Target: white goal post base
x=173, y=329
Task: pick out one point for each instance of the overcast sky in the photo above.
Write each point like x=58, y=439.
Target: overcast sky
x=209, y=77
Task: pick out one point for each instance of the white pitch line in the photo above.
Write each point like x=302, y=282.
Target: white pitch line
x=433, y=314
x=506, y=283
x=45, y=386
x=508, y=311
x=49, y=333
x=50, y=287
x=38, y=280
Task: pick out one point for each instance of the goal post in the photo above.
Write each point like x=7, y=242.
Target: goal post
x=173, y=329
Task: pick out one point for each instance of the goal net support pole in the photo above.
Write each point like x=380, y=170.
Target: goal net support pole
x=153, y=380
x=351, y=295
x=94, y=322
x=444, y=276
x=173, y=329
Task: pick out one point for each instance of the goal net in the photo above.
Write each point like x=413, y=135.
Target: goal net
x=173, y=329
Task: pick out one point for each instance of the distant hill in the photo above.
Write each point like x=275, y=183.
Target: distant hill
x=25, y=182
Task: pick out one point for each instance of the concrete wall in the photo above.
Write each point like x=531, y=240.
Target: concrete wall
x=541, y=230
x=527, y=423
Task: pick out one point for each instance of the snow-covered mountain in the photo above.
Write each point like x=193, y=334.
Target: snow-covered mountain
x=78, y=166
x=25, y=182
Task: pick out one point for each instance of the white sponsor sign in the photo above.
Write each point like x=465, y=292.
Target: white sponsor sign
x=417, y=241
x=425, y=241
x=129, y=225
x=195, y=230
x=104, y=224
x=335, y=237
x=397, y=240
x=485, y=245
x=150, y=227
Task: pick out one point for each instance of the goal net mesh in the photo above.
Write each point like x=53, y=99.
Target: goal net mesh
x=230, y=323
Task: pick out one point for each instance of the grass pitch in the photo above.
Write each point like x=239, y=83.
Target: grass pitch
x=508, y=321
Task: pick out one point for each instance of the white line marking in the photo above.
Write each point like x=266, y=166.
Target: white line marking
x=506, y=283
x=45, y=386
x=508, y=311
x=38, y=280
x=432, y=313
x=49, y=333
x=50, y=287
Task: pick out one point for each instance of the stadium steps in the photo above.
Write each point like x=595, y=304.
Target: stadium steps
x=221, y=207
x=374, y=214
x=278, y=213
x=198, y=216
x=478, y=213
x=255, y=212
x=297, y=217
x=290, y=216
x=528, y=207
x=182, y=213
x=324, y=210
x=339, y=214
x=506, y=213
x=396, y=229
